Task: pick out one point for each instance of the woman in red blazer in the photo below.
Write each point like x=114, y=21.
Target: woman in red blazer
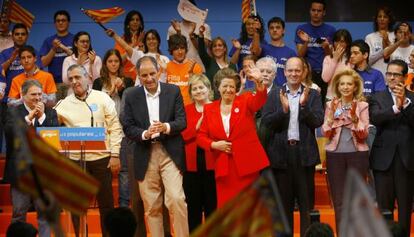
x=228, y=130
x=199, y=184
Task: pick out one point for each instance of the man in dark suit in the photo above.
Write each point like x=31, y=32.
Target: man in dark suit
x=153, y=117
x=33, y=111
x=392, y=153
x=292, y=113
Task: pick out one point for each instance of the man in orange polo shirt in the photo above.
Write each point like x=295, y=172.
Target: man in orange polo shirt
x=27, y=56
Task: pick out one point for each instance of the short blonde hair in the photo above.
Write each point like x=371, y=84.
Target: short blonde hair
x=204, y=79
x=358, y=95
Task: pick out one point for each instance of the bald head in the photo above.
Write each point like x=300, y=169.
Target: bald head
x=294, y=71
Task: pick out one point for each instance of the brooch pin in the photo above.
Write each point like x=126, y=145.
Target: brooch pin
x=236, y=110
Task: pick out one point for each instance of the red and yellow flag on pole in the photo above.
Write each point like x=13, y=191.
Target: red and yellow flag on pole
x=104, y=15
x=72, y=187
x=17, y=14
x=248, y=7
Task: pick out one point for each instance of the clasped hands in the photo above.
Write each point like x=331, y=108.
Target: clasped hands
x=154, y=128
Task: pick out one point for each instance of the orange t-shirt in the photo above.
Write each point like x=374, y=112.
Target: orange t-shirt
x=129, y=68
x=45, y=78
x=179, y=73
x=409, y=81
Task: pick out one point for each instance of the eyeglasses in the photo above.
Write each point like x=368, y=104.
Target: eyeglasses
x=84, y=41
x=393, y=74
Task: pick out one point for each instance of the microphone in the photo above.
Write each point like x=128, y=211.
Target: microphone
x=84, y=101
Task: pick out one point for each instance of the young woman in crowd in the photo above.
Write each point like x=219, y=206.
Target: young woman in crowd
x=113, y=82
x=83, y=54
x=338, y=61
x=133, y=36
x=218, y=59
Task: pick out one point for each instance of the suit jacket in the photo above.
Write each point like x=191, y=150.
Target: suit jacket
x=135, y=121
x=51, y=120
x=395, y=132
x=189, y=135
x=247, y=152
x=344, y=120
x=310, y=117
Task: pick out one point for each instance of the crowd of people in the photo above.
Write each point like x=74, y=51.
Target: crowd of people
x=192, y=130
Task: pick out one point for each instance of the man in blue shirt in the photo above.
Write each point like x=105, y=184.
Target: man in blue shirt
x=373, y=78
x=57, y=47
x=11, y=67
x=313, y=41
x=276, y=49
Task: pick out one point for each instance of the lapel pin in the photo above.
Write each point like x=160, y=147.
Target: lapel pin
x=236, y=110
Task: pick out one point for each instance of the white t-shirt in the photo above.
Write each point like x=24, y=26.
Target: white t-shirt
x=403, y=54
x=376, y=53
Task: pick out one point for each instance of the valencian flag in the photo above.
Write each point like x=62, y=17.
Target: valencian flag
x=16, y=13
x=104, y=15
x=248, y=8
x=257, y=211
x=41, y=167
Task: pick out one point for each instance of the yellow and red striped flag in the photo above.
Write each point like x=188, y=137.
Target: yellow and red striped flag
x=248, y=8
x=104, y=15
x=72, y=187
x=17, y=14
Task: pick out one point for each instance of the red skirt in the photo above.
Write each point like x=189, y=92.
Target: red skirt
x=232, y=184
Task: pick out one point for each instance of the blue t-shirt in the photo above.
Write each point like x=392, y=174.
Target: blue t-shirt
x=14, y=69
x=244, y=51
x=315, y=53
x=373, y=81
x=280, y=55
x=55, y=66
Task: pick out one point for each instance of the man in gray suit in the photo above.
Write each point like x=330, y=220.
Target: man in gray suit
x=153, y=117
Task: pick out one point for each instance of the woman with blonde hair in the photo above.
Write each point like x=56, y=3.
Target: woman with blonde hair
x=346, y=126
x=198, y=182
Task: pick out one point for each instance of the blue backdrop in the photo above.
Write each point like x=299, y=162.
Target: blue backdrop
x=223, y=17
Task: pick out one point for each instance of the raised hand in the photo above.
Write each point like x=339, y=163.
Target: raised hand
x=201, y=30
x=303, y=36
x=40, y=109
x=399, y=92
x=284, y=100
x=176, y=25
x=236, y=44
x=304, y=97
x=92, y=56
x=338, y=53
x=110, y=32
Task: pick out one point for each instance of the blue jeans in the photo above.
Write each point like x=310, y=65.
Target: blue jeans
x=21, y=204
x=123, y=179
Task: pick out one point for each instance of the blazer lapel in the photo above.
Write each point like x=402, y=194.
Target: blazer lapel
x=143, y=107
x=217, y=119
x=235, y=115
x=388, y=101
x=163, y=104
